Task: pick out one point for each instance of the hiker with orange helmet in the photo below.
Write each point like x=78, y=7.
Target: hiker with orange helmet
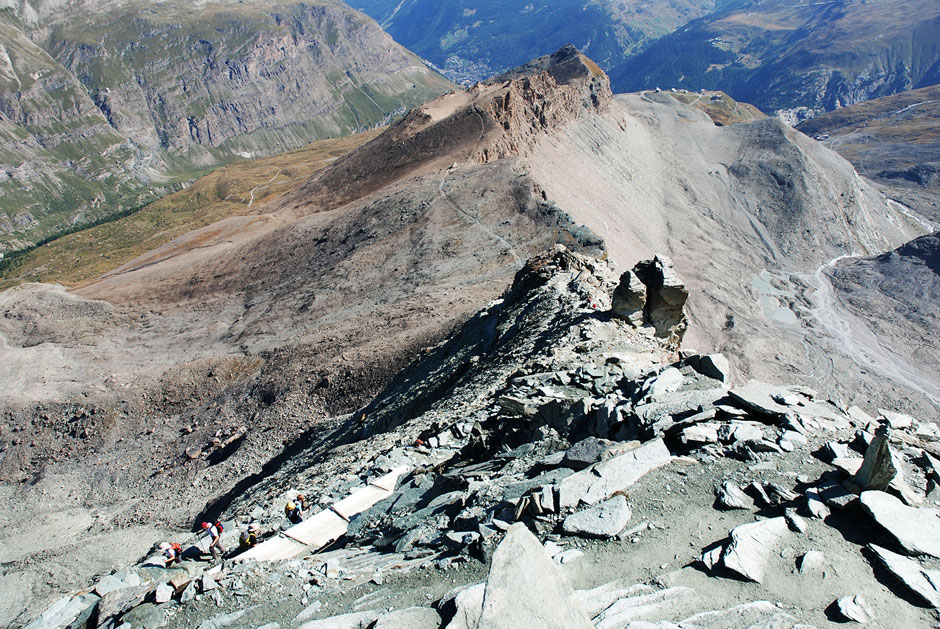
x=214, y=531
x=293, y=512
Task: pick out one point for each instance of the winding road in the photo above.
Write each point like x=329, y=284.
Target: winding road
x=854, y=337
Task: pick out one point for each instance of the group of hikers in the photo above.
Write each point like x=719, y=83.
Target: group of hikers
x=294, y=511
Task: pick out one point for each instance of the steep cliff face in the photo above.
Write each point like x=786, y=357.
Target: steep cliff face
x=57, y=151
x=503, y=117
x=248, y=78
x=138, y=93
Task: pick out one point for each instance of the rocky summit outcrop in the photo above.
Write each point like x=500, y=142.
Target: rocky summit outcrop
x=652, y=294
x=543, y=95
x=101, y=101
x=502, y=118
x=511, y=473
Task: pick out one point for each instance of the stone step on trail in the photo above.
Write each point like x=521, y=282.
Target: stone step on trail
x=328, y=525
x=602, y=480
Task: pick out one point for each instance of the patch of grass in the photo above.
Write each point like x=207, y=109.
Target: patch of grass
x=83, y=255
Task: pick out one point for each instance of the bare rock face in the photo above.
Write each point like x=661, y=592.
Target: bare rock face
x=541, y=97
x=751, y=546
x=630, y=299
x=916, y=529
x=653, y=294
x=878, y=469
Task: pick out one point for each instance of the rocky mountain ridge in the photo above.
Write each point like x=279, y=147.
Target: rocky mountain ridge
x=102, y=101
x=406, y=249
x=892, y=140
x=555, y=459
x=230, y=352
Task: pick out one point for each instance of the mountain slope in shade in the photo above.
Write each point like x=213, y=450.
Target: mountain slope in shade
x=104, y=100
x=783, y=55
x=894, y=140
x=896, y=295
x=470, y=42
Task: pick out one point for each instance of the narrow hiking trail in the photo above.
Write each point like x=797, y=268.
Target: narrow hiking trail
x=851, y=335
x=468, y=217
x=270, y=181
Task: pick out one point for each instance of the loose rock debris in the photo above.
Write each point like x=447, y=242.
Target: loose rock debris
x=525, y=448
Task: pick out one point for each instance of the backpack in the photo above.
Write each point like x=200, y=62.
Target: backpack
x=218, y=525
x=176, y=547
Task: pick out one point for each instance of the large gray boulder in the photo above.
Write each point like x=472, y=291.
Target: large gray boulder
x=923, y=583
x=65, y=611
x=602, y=480
x=878, y=468
x=117, y=602
x=591, y=450
x=853, y=609
x=163, y=593
x=629, y=299
x=410, y=618
x=752, y=545
x=917, y=529
x=731, y=496
x=147, y=616
x=715, y=366
x=603, y=520
x=526, y=589
x=466, y=605
x=355, y=620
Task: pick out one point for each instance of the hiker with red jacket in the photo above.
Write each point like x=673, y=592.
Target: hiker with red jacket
x=214, y=531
